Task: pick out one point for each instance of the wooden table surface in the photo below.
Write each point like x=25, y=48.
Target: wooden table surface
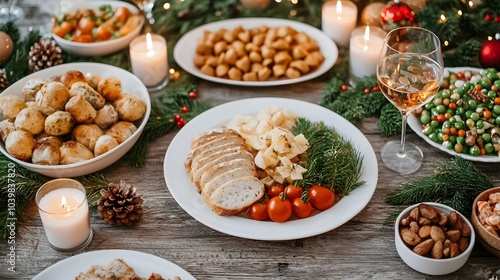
x=362, y=248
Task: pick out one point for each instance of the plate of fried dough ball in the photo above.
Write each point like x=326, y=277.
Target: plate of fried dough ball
x=256, y=52
x=73, y=119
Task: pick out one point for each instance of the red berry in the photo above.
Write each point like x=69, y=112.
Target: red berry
x=497, y=19
x=343, y=87
x=181, y=122
x=367, y=90
x=177, y=118
x=185, y=109
x=193, y=95
x=375, y=88
x=488, y=17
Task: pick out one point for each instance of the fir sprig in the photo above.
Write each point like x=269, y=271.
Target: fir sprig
x=26, y=183
x=454, y=183
x=332, y=161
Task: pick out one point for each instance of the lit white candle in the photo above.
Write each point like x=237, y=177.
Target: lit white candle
x=148, y=56
x=338, y=19
x=364, y=50
x=65, y=214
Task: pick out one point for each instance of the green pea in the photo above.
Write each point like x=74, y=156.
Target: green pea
x=447, y=124
x=466, y=149
x=468, y=113
x=453, y=139
x=486, y=137
x=428, y=130
x=428, y=106
x=470, y=123
x=480, y=124
x=459, y=125
x=434, y=137
x=467, y=86
x=497, y=83
x=435, y=123
x=472, y=104
x=445, y=93
x=474, y=151
x=448, y=145
x=485, y=83
x=434, y=111
x=488, y=147
x=460, y=111
x=450, y=111
x=492, y=94
x=452, y=120
x=496, y=109
x=437, y=101
x=461, y=140
x=474, y=116
x=460, y=91
x=497, y=120
x=441, y=109
x=425, y=118
x=492, y=75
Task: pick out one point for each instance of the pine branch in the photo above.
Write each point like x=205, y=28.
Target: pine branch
x=389, y=122
x=454, y=183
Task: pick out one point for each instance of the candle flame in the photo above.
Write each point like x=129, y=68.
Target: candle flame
x=64, y=204
x=367, y=33
x=339, y=10
x=149, y=45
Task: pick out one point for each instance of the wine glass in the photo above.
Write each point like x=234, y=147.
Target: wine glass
x=409, y=73
x=146, y=7
x=9, y=11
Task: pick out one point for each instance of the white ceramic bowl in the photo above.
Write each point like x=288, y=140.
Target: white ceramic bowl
x=429, y=265
x=98, y=48
x=130, y=84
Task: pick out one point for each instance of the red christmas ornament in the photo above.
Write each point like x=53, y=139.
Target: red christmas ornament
x=185, y=109
x=193, y=95
x=343, y=87
x=489, y=55
x=181, y=122
x=177, y=118
x=397, y=14
x=367, y=90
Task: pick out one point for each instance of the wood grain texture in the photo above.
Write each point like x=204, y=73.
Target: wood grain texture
x=362, y=248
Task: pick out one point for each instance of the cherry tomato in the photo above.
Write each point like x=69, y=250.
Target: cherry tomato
x=292, y=192
x=275, y=190
x=258, y=211
x=302, y=209
x=321, y=198
x=279, y=209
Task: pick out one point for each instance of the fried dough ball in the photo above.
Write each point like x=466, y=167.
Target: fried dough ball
x=93, y=80
x=121, y=131
x=11, y=105
x=30, y=120
x=87, y=135
x=80, y=109
x=59, y=123
x=106, y=117
x=20, y=144
x=73, y=152
x=47, y=151
x=91, y=95
x=130, y=107
x=32, y=87
x=71, y=77
x=6, y=127
x=52, y=97
x=104, y=144
x=110, y=88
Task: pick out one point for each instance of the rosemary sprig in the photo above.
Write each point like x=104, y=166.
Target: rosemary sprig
x=454, y=183
x=332, y=161
x=26, y=184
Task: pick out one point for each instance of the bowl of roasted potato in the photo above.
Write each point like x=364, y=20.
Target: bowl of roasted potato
x=96, y=28
x=73, y=119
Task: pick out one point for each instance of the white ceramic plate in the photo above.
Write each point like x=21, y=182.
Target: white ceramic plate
x=186, y=194
x=416, y=126
x=143, y=264
x=98, y=48
x=185, y=48
x=130, y=84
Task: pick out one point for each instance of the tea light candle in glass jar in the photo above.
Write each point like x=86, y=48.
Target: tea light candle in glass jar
x=338, y=19
x=364, y=50
x=64, y=210
x=148, y=56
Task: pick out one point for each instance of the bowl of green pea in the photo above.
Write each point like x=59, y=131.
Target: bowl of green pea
x=464, y=117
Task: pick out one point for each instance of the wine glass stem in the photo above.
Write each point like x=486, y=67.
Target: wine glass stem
x=404, y=119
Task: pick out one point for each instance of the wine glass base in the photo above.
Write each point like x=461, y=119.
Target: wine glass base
x=11, y=14
x=406, y=163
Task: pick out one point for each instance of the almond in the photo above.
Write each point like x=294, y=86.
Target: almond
x=446, y=243
x=424, y=247
x=463, y=243
x=454, y=250
x=453, y=235
x=437, y=250
x=437, y=234
x=414, y=227
x=405, y=221
x=465, y=230
x=427, y=211
x=443, y=219
x=415, y=214
x=410, y=238
x=452, y=218
x=446, y=252
x=424, y=221
x=424, y=232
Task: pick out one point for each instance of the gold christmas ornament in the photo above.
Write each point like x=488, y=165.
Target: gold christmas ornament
x=6, y=47
x=371, y=14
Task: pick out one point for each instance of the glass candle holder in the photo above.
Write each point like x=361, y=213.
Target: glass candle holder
x=148, y=56
x=364, y=49
x=64, y=211
x=338, y=19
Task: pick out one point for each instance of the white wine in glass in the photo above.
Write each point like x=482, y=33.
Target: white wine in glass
x=409, y=73
x=146, y=7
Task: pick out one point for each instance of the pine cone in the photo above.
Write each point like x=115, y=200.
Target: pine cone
x=44, y=54
x=3, y=80
x=120, y=205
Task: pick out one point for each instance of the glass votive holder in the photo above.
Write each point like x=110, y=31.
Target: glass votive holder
x=148, y=56
x=338, y=19
x=364, y=50
x=64, y=211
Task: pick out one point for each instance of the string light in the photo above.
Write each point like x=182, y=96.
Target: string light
x=295, y=2
x=446, y=43
x=166, y=6
x=471, y=4
x=442, y=19
x=293, y=13
x=460, y=12
x=278, y=1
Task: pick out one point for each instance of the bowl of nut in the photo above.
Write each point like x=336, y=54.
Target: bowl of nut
x=486, y=219
x=73, y=119
x=433, y=238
